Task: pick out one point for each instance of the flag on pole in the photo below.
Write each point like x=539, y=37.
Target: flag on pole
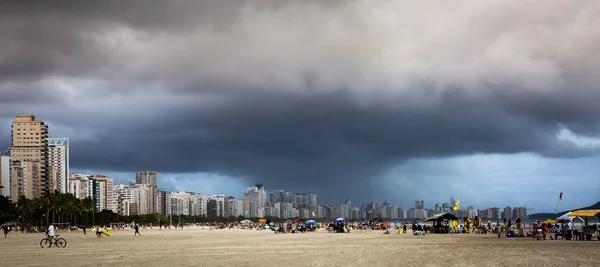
x=246, y=212
x=313, y=213
x=560, y=197
x=456, y=205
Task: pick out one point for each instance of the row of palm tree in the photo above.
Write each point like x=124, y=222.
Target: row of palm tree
x=50, y=207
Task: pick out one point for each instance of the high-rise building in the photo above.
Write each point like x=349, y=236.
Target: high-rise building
x=288, y=197
x=30, y=144
x=59, y=162
x=235, y=208
x=5, y=176
x=80, y=185
x=164, y=207
x=305, y=199
x=198, y=204
x=24, y=177
x=180, y=203
x=146, y=177
x=519, y=212
x=107, y=196
x=134, y=199
x=149, y=178
x=277, y=196
x=419, y=204
x=507, y=214
x=257, y=197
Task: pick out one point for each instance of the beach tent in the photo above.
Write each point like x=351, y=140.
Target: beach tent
x=441, y=216
x=565, y=217
x=585, y=213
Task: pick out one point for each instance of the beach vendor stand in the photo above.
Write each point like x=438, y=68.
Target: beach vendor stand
x=441, y=222
x=588, y=231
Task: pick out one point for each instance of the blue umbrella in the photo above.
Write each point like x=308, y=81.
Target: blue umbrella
x=311, y=222
x=340, y=219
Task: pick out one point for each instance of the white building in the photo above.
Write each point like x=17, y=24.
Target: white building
x=58, y=157
x=80, y=185
x=106, y=193
x=125, y=199
x=257, y=198
x=235, y=208
x=180, y=203
x=5, y=176
x=198, y=205
x=134, y=199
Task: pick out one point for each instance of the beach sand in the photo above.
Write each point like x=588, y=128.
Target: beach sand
x=200, y=247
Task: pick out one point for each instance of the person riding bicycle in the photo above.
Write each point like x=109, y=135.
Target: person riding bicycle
x=50, y=234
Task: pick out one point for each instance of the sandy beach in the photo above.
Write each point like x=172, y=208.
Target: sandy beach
x=200, y=247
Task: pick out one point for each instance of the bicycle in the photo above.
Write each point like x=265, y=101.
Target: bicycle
x=60, y=242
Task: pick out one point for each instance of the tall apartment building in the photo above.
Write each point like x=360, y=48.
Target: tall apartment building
x=59, y=162
x=257, y=197
x=419, y=204
x=235, y=208
x=149, y=178
x=5, y=176
x=25, y=175
x=163, y=201
x=180, y=203
x=507, y=214
x=134, y=199
x=107, y=195
x=80, y=185
x=30, y=144
x=198, y=205
x=276, y=196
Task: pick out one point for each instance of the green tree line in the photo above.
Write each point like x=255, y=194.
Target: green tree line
x=55, y=207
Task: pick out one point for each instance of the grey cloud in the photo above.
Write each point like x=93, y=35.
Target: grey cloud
x=278, y=91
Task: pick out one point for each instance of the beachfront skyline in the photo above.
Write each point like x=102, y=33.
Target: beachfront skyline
x=369, y=100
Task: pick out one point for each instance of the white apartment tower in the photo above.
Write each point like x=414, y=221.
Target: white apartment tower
x=80, y=185
x=59, y=159
x=257, y=197
x=5, y=176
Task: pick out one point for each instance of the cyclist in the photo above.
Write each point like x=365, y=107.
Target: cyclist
x=50, y=234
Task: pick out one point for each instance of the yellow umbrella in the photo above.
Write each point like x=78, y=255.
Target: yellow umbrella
x=549, y=221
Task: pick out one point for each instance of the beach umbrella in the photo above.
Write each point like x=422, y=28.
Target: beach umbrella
x=311, y=222
x=340, y=219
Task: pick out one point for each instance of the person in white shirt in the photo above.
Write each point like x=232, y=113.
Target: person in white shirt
x=51, y=234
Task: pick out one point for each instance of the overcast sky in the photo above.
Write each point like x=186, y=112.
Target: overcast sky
x=493, y=102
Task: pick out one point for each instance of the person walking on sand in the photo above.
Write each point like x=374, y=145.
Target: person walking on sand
x=5, y=229
x=137, y=230
x=84, y=233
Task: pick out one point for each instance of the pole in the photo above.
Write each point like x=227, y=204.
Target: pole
x=557, y=202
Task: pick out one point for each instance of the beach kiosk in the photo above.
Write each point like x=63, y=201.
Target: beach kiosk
x=441, y=222
x=588, y=231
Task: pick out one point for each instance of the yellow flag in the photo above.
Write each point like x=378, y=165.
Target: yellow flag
x=456, y=205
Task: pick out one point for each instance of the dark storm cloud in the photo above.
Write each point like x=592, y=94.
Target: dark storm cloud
x=278, y=91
